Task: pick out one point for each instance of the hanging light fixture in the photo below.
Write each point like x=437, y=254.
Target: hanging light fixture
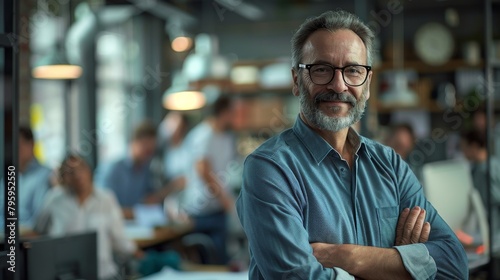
x=182, y=43
x=180, y=97
x=178, y=34
x=184, y=100
x=55, y=66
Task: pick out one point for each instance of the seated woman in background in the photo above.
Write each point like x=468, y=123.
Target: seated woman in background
x=79, y=207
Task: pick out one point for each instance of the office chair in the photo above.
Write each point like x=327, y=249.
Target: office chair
x=199, y=248
x=449, y=188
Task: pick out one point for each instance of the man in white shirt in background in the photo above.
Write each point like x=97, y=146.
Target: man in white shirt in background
x=79, y=207
x=207, y=198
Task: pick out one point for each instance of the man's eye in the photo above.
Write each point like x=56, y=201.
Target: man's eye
x=321, y=69
x=353, y=70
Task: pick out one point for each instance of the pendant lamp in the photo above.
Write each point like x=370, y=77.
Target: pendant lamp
x=54, y=65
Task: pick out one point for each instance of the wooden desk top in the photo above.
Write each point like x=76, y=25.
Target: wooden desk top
x=164, y=234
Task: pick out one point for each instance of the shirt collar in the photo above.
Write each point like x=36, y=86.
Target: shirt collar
x=316, y=145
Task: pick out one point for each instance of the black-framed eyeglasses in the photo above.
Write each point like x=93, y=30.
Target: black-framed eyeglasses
x=322, y=74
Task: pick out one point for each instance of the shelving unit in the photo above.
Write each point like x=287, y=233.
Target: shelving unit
x=227, y=86
x=423, y=87
x=422, y=67
x=261, y=110
x=430, y=77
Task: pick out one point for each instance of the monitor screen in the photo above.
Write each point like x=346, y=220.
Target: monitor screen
x=67, y=257
x=447, y=186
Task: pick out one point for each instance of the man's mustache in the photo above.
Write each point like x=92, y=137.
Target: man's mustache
x=334, y=96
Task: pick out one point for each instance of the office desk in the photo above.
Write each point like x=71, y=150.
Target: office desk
x=149, y=237
x=171, y=274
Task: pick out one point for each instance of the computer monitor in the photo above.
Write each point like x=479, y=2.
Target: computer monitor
x=448, y=185
x=3, y=265
x=67, y=257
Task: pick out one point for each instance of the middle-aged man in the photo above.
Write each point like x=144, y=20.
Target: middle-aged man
x=320, y=201
x=130, y=178
x=207, y=198
x=79, y=207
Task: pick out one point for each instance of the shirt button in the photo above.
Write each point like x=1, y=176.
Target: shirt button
x=342, y=169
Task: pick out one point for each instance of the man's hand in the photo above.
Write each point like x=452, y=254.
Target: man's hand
x=412, y=227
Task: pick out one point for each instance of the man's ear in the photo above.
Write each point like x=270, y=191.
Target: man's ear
x=295, y=76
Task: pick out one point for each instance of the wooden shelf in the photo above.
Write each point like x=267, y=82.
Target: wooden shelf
x=386, y=109
x=422, y=67
x=222, y=84
x=225, y=85
x=260, y=62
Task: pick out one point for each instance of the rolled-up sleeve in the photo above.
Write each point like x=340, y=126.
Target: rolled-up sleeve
x=270, y=210
x=442, y=257
x=417, y=261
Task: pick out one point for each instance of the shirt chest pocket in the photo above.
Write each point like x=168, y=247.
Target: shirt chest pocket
x=387, y=221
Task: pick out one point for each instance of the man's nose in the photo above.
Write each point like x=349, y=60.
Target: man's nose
x=337, y=84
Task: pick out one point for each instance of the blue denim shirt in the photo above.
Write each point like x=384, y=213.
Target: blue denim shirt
x=130, y=184
x=297, y=190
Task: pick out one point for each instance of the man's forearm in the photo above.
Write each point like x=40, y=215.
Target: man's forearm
x=364, y=262
x=175, y=185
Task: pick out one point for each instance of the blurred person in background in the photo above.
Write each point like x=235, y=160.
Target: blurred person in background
x=207, y=198
x=130, y=178
x=175, y=159
x=34, y=181
x=473, y=145
x=176, y=127
x=401, y=138
x=478, y=119
x=77, y=206
x=479, y=123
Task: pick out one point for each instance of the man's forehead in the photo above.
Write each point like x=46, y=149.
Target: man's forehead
x=326, y=42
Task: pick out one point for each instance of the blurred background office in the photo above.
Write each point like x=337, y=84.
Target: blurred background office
x=137, y=85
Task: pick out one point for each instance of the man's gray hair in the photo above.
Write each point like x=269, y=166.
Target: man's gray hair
x=332, y=21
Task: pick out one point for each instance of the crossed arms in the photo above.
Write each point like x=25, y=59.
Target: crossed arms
x=360, y=260
x=275, y=214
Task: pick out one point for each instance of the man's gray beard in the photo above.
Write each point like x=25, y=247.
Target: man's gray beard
x=310, y=108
